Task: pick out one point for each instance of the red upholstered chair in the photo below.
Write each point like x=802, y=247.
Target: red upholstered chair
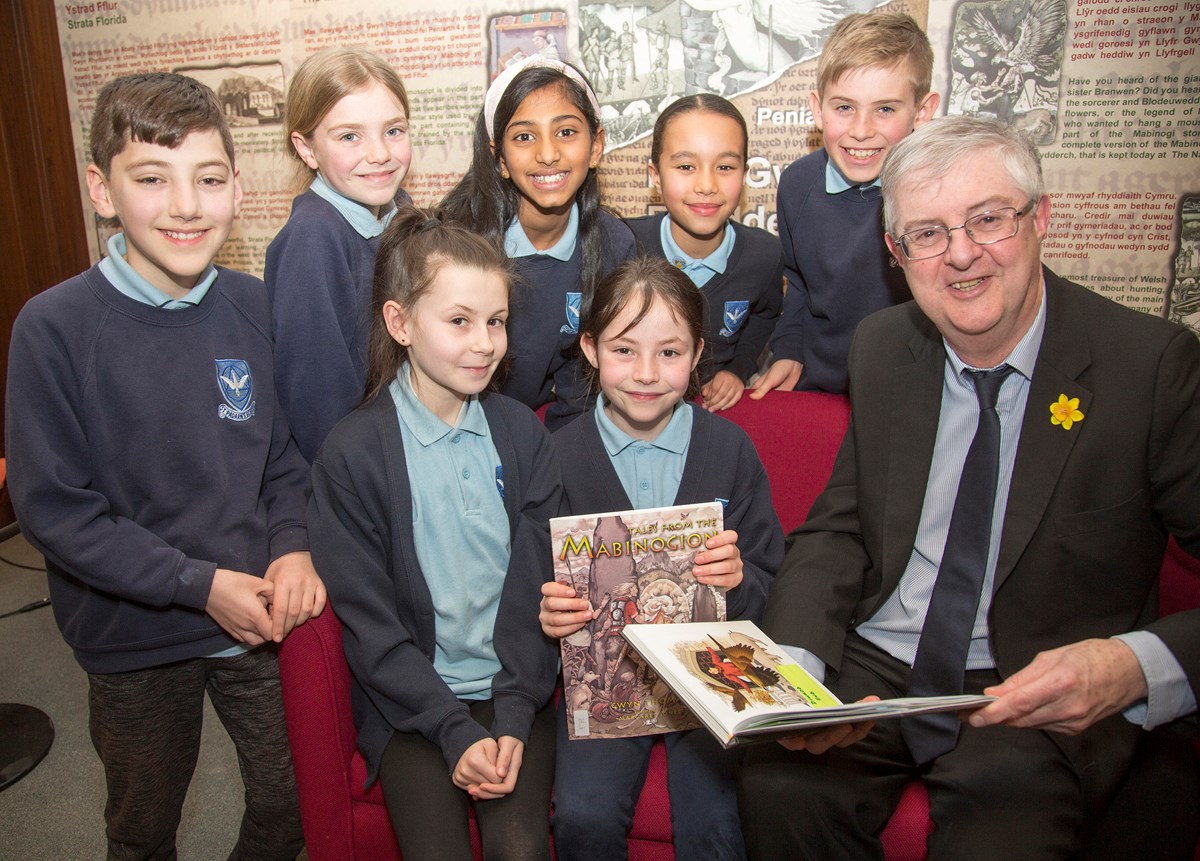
x=797, y=435
x=342, y=820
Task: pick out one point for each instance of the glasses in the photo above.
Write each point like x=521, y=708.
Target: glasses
x=986, y=228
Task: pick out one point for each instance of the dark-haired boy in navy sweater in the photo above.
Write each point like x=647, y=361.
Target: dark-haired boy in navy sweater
x=152, y=466
x=873, y=81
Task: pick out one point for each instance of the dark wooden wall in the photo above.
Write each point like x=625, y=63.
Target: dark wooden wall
x=42, y=237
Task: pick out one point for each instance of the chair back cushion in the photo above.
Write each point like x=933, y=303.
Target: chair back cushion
x=797, y=436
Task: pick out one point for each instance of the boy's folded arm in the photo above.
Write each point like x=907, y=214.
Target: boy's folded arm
x=51, y=484
x=75, y=529
x=285, y=490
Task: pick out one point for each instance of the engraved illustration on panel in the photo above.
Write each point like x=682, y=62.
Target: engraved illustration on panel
x=1183, y=283
x=1006, y=62
x=641, y=55
x=515, y=37
x=251, y=94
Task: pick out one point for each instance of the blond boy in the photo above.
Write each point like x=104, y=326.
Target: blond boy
x=873, y=83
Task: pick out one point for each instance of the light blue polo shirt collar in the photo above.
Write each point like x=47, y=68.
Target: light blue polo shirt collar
x=359, y=217
x=517, y=244
x=673, y=438
x=836, y=182
x=126, y=279
x=418, y=418
x=716, y=263
x=1023, y=357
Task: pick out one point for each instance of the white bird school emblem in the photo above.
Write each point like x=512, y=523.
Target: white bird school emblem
x=574, y=303
x=237, y=388
x=736, y=312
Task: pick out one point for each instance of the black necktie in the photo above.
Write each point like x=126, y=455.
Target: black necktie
x=941, y=659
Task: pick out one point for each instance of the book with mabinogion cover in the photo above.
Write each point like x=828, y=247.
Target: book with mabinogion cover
x=634, y=567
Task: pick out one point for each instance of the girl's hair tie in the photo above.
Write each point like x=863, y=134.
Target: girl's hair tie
x=504, y=79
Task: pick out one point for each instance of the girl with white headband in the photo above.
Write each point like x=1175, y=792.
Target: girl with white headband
x=532, y=185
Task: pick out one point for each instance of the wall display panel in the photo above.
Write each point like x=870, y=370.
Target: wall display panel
x=1111, y=91
x=1109, y=88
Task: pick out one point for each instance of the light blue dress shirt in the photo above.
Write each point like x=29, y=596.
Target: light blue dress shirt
x=121, y=275
x=896, y=626
x=700, y=271
x=650, y=472
x=461, y=533
x=359, y=217
x=517, y=244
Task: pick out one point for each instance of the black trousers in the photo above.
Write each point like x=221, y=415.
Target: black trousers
x=430, y=814
x=145, y=725
x=1002, y=793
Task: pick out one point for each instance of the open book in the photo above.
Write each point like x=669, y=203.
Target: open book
x=633, y=566
x=743, y=687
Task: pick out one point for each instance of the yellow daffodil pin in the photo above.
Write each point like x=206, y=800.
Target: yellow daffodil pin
x=1065, y=412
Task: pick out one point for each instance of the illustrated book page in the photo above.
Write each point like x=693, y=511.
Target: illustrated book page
x=744, y=687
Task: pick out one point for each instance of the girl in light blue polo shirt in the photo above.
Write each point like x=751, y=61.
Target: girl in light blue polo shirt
x=645, y=446
x=429, y=521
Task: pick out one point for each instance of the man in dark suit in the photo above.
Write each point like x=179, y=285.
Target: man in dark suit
x=1092, y=458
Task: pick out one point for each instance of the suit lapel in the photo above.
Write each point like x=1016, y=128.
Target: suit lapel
x=1042, y=453
x=915, y=400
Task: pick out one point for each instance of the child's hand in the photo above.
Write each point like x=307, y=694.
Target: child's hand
x=783, y=375
x=299, y=593
x=722, y=391
x=721, y=564
x=562, y=614
x=477, y=766
x=508, y=765
x=238, y=603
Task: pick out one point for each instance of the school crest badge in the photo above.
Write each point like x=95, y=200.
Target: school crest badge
x=736, y=312
x=574, y=302
x=237, y=388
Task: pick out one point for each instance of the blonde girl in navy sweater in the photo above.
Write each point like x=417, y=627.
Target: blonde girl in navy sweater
x=533, y=186
x=347, y=129
x=429, y=520
x=644, y=445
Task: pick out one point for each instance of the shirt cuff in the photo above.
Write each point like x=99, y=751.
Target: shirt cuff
x=808, y=662
x=1170, y=696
